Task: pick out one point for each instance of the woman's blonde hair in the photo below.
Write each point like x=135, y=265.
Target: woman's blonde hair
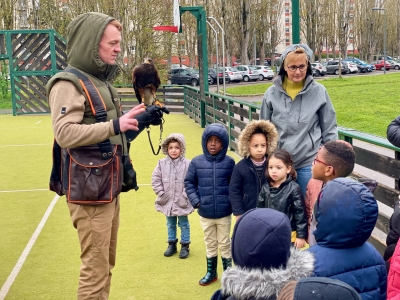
x=295, y=55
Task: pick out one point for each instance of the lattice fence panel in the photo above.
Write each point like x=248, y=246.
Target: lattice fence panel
x=30, y=94
x=32, y=67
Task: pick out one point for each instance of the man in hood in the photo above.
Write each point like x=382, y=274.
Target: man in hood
x=93, y=46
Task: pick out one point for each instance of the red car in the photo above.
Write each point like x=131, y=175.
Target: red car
x=379, y=65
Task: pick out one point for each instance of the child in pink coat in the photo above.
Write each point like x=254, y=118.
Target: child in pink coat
x=168, y=183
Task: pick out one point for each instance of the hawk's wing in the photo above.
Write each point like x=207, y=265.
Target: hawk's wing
x=138, y=90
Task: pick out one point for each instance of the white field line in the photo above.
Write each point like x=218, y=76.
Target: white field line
x=23, y=191
x=14, y=273
x=25, y=145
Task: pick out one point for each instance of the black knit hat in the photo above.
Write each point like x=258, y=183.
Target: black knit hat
x=261, y=239
x=321, y=288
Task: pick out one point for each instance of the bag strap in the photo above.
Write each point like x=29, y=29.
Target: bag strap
x=97, y=105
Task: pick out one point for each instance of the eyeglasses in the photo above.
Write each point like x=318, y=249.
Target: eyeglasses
x=294, y=68
x=324, y=163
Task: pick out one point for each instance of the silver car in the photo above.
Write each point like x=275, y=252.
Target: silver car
x=248, y=72
x=265, y=72
x=234, y=74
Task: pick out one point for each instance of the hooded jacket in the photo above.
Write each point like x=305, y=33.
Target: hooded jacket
x=288, y=199
x=393, y=132
x=69, y=107
x=346, y=213
x=304, y=123
x=264, y=260
x=245, y=184
x=168, y=181
x=208, y=177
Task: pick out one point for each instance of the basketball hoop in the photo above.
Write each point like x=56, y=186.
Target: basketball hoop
x=177, y=21
x=170, y=28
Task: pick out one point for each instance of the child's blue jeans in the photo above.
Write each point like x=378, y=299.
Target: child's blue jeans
x=183, y=223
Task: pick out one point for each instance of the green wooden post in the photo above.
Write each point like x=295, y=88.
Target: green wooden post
x=11, y=69
x=200, y=14
x=295, y=21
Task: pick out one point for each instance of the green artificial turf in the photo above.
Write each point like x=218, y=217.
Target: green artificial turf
x=52, y=267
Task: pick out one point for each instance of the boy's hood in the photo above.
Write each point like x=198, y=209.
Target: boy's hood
x=83, y=38
x=346, y=214
x=217, y=130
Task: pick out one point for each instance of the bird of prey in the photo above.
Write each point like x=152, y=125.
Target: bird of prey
x=146, y=80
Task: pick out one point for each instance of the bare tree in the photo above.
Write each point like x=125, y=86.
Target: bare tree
x=6, y=14
x=310, y=22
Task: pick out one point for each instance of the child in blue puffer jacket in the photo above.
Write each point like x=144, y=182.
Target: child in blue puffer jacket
x=207, y=187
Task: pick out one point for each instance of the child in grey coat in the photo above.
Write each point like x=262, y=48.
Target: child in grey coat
x=168, y=183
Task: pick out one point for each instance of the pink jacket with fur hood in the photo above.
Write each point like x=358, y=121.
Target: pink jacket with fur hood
x=168, y=181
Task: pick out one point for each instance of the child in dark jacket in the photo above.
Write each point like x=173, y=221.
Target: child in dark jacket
x=264, y=259
x=256, y=141
x=282, y=193
x=345, y=214
x=207, y=187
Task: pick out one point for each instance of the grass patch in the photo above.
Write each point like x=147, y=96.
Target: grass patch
x=364, y=103
x=254, y=89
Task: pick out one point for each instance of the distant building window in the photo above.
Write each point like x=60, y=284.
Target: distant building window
x=182, y=48
x=287, y=30
x=287, y=10
x=287, y=40
x=287, y=20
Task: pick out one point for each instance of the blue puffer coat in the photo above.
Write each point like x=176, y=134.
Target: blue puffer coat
x=208, y=177
x=346, y=215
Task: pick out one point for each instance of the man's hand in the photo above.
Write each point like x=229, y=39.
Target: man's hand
x=128, y=121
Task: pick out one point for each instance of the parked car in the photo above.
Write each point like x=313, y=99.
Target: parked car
x=332, y=67
x=379, y=65
x=213, y=74
x=352, y=67
x=381, y=57
x=234, y=74
x=265, y=72
x=248, y=72
x=361, y=65
x=318, y=69
x=184, y=76
x=395, y=64
x=176, y=66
